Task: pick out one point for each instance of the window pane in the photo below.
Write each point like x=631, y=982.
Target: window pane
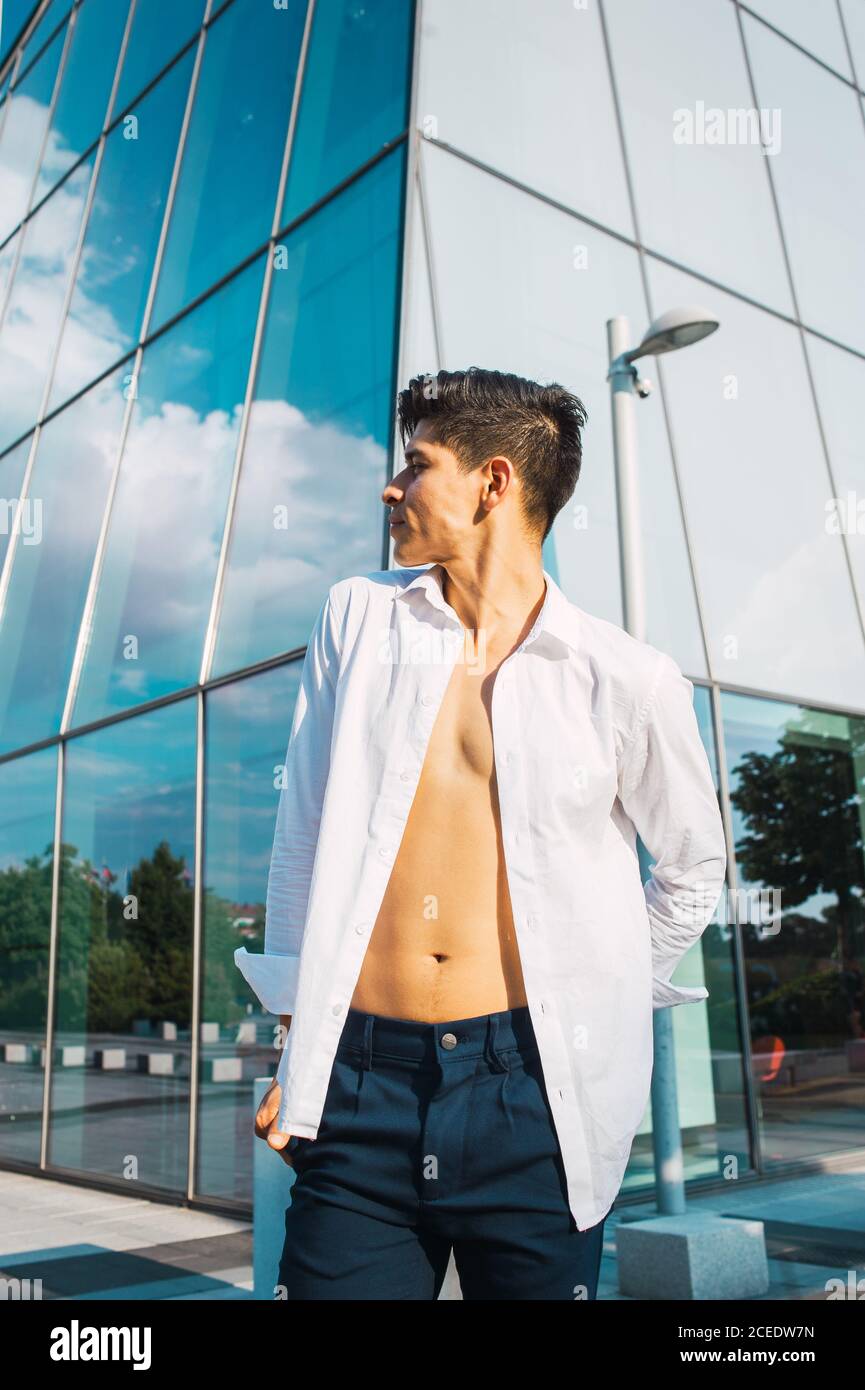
x=116, y=265
x=158, y=32
x=542, y=68
x=701, y=200
x=819, y=175
x=355, y=94
x=35, y=308
x=551, y=326
x=168, y=514
x=23, y=133
x=120, y=1088
x=234, y=148
x=309, y=509
x=7, y=258
x=839, y=379
x=39, y=626
x=15, y=15
x=88, y=75
x=248, y=723
x=27, y=795
x=747, y=437
x=812, y=23
x=797, y=791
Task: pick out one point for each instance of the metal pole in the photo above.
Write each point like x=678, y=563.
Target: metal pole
x=666, y=1132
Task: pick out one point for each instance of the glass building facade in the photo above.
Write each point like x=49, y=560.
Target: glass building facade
x=228, y=233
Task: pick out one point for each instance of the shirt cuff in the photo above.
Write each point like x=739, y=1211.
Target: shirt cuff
x=665, y=995
x=272, y=978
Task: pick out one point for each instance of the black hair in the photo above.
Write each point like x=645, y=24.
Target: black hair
x=479, y=413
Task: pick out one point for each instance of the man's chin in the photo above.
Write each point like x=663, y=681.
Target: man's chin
x=409, y=552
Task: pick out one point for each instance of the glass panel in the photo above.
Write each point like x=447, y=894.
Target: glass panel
x=23, y=133
x=710, y=1072
x=53, y=14
x=120, y=1087
x=700, y=181
x=168, y=514
x=551, y=326
x=27, y=796
x=12, y=466
x=839, y=380
x=744, y=425
x=75, y=456
x=355, y=94
x=854, y=22
x=15, y=15
x=247, y=733
x=819, y=176
x=35, y=308
x=116, y=265
x=542, y=68
x=321, y=423
x=797, y=789
x=812, y=23
x=88, y=75
x=234, y=148
x=158, y=32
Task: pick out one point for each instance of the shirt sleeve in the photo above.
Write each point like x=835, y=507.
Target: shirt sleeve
x=273, y=976
x=668, y=792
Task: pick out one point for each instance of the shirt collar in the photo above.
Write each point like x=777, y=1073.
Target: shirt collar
x=558, y=618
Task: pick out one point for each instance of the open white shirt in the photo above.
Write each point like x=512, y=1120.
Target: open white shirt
x=595, y=740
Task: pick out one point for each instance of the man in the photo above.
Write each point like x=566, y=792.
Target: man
x=457, y=934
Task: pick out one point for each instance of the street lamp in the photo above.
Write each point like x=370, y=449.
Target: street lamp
x=677, y=328
x=688, y=1253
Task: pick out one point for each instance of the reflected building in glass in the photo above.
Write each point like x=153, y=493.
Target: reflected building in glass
x=228, y=233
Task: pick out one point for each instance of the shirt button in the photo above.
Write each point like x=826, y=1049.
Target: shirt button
x=427, y=700
x=361, y=928
x=337, y=1009
x=448, y=1040
x=385, y=852
x=405, y=777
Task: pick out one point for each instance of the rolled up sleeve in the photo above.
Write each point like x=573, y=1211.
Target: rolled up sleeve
x=668, y=792
x=273, y=975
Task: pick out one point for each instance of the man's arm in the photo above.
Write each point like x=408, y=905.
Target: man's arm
x=273, y=975
x=667, y=790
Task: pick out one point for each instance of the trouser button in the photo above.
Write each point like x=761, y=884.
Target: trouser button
x=448, y=1040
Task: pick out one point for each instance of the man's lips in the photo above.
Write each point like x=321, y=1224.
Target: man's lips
x=396, y=523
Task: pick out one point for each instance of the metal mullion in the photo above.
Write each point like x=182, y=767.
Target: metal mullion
x=96, y=568
x=209, y=645
x=6, y=570
x=738, y=946
x=118, y=67
x=197, y=950
x=52, y=956
x=412, y=226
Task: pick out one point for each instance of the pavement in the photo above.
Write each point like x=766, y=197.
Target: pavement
x=85, y=1244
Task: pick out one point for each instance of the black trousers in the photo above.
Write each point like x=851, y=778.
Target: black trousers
x=435, y=1137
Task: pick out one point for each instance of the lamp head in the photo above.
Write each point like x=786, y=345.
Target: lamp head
x=677, y=328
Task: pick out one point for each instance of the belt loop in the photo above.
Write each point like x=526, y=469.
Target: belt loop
x=366, y=1059
x=496, y=1062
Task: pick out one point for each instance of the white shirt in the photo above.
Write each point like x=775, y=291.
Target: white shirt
x=595, y=739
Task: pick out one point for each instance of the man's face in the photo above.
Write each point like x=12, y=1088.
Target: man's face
x=434, y=506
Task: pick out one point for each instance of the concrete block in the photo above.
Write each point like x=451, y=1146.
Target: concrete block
x=692, y=1257
x=109, y=1058
x=222, y=1069
x=167, y=1032
x=210, y=1032
x=156, y=1063
x=70, y=1055
x=17, y=1052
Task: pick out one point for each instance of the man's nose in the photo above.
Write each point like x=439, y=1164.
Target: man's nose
x=391, y=494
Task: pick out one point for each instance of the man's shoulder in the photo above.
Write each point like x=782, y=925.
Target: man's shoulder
x=377, y=586
x=633, y=666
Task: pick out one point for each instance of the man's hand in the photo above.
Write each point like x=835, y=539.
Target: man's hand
x=265, y=1123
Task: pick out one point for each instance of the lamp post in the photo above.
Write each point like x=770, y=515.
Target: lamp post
x=675, y=329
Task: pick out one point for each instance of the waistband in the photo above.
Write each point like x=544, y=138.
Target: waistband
x=485, y=1035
